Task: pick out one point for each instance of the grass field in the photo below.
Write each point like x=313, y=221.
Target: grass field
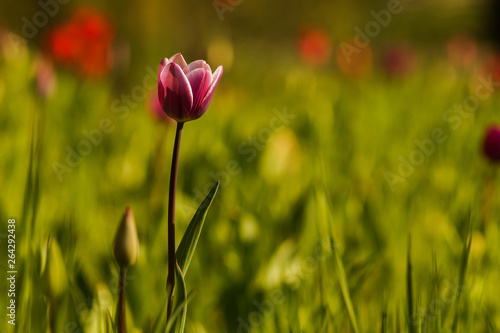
x=326, y=180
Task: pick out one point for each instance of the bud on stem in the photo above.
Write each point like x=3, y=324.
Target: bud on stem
x=126, y=244
x=55, y=277
x=126, y=252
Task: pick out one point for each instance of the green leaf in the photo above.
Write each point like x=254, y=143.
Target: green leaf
x=180, y=297
x=180, y=310
x=160, y=325
x=177, y=311
x=189, y=241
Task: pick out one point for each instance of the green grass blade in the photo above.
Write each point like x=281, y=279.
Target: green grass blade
x=489, y=322
x=28, y=188
x=437, y=323
x=409, y=291
x=186, y=248
x=110, y=325
x=180, y=297
x=464, y=260
x=383, y=322
x=344, y=287
x=161, y=326
x=398, y=318
x=161, y=321
x=383, y=326
x=36, y=177
x=323, y=207
x=29, y=213
x=180, y=311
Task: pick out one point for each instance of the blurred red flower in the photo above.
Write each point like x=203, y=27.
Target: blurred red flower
x=462, y=51
x=315, y=47
x=398, y=60
x=490, y=65
x=356, y=64
x=491, y=144
x=83, y=43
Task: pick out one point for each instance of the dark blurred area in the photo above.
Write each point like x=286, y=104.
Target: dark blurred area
x=151, y=30
x=492, y=22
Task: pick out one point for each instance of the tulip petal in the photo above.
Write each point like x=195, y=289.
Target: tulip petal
x=197, y=64
x=178, y=95
x=178, y=59
x=210, y=92
x=163, y=63
x=200, y=80
x=161, y=88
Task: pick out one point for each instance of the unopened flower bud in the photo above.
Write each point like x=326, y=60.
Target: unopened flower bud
x=126, y=244
x=55, y=276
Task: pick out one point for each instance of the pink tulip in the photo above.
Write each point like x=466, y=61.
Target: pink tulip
x=45, y=77
x=491, y=147
x=156, y=110
x=185, y=91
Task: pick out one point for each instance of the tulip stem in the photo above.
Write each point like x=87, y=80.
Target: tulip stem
x=171, y=219
x=121, y=301
x=53, y=304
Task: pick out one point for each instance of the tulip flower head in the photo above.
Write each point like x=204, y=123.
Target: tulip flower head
x=185, y=91
x=491, y=147
x=45, y=77
x=156, y=110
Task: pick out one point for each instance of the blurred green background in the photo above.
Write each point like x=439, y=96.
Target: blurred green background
x=311, y=219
